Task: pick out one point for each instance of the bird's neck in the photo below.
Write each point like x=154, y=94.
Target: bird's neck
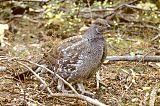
x=92, y=36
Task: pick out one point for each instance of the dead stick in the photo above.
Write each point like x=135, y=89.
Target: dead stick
x=134, y=58
x=37, y=76
x=82, y=97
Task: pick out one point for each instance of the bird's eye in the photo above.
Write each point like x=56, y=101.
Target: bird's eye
x=97, y=30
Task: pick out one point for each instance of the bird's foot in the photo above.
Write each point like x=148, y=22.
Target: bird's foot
x=88, y=93
x=61, y=88
x=83, y=91
x=66, y=91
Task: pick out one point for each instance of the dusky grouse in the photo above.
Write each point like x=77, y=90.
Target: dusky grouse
x=78, y=58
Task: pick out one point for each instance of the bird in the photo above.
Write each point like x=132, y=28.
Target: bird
x=78, y=58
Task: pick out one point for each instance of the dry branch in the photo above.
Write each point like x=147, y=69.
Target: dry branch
x=82, y=97
x=134, y=58
x=135, y=7
x=37, y=76
x=120, y=7
x=153, y=95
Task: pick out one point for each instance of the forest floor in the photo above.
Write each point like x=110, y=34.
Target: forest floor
x=122, y=83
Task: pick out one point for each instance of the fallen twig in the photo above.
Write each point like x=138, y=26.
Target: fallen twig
x=153, y=95
x=134, y=58
x=135, y=7
x=119, y=8
x=37, y=76
x=86, y=98
x=31, y=100
x=156, y=37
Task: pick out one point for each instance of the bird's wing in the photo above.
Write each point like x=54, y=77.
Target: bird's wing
x=69, y=41
x=70, y=56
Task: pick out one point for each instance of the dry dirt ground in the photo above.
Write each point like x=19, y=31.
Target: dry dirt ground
x=122, y=83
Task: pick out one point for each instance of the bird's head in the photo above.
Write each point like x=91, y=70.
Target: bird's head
x=96, y=29
x=100, y=25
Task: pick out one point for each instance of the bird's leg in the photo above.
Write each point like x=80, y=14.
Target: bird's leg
x=41, y=70
x=82, y=89
x=60, y=87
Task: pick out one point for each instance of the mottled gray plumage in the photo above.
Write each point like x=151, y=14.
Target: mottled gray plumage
x=78, y=58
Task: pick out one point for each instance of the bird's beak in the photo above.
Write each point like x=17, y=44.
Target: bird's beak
x=107, y=25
